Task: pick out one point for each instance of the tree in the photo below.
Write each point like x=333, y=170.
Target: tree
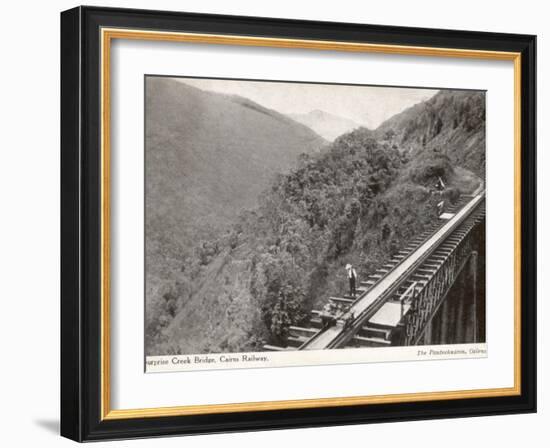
x=389, y=135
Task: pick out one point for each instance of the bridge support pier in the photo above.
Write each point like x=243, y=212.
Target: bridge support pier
x=473, y=271
x=428, y=334
x=457, y=256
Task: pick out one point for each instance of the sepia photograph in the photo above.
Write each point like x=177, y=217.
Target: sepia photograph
x=322, y=222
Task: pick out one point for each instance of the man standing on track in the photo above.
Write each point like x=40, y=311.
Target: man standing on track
x=439, y=185
x=352, y=276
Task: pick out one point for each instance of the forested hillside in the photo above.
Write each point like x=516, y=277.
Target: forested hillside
x=208, y=156
x=452, y=122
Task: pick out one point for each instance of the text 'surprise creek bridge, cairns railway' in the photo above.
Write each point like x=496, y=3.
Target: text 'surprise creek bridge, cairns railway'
x=396, y=304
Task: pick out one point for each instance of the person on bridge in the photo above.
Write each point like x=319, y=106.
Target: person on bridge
x=440, y=185
x=352, y=276
x=440, y=206
x=327, y=315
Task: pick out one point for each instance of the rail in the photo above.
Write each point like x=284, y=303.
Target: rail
x=369, y=302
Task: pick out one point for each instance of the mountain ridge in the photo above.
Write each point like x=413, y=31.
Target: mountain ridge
x=202, y=169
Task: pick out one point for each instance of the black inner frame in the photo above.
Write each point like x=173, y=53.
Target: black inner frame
x=81, y=220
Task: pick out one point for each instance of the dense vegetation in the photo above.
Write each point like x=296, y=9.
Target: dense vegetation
x=358, y=201
x=451, y=121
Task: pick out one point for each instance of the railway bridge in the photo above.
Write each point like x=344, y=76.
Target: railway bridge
x=396, y=304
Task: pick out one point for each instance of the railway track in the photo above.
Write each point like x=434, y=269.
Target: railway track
x=386, y=296
x=396, y=313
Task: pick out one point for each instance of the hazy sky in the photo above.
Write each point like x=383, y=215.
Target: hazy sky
x=365, y=105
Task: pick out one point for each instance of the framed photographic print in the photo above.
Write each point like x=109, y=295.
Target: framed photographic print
x=274, y=224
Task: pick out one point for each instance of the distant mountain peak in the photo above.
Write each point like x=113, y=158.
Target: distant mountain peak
x=319, y=113
x=327, y=125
